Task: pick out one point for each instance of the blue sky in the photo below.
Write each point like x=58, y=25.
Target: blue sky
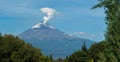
x=74, y=17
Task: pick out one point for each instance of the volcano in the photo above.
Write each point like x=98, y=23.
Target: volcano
x=53, y=41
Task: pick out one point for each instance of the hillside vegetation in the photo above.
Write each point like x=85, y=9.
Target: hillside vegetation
x=13, y=49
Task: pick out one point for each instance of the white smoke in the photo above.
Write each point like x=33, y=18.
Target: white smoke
x=49, y=13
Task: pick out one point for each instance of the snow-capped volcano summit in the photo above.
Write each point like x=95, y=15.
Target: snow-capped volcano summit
x=41, y=25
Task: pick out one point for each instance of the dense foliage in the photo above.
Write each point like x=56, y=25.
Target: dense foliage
x=109, y=49
x=13, y=49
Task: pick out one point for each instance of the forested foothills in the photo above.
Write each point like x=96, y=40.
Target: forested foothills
x=109, y=49
x=13, y=49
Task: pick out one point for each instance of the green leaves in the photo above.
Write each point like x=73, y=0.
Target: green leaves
x=112, y=36
x=13, y=49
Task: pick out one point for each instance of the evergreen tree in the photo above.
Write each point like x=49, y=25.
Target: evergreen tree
x=51, y=58
x=79, y=56
x=0, y=34
x=112, y=36
x=112, y=11
x=84, y=48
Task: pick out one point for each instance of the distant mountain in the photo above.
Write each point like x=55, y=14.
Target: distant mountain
x=52, y=41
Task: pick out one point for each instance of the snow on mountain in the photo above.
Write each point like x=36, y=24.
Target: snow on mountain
x=39, y=25
x=53, y=41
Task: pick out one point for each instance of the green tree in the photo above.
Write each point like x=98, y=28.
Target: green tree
x=112, y=36
x=79, y=56
x=112, y=11
x=13, y=49
x=51, y=58
x=0, y=35
x=84, y=48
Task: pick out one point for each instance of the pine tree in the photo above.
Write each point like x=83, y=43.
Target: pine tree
x=84, y=48
x=51, y=57
x=112, y=36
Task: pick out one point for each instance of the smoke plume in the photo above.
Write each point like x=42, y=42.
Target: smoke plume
x=49, y=13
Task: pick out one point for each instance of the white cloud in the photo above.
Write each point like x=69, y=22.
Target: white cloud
x=84, y=34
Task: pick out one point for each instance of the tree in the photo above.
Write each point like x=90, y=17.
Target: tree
x=13, y=49
x=84, y=48
x=0, y=35
x=112, y=36
x=112, y=11
x=51, y=58
x=79, y=56
x=0, y=38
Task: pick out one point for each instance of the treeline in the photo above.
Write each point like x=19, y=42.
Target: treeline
x=13, y=49
x=109, y=49
x=100, y=52
x=96, y=53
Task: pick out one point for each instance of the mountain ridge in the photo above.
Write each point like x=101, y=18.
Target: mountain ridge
x=51, y=40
